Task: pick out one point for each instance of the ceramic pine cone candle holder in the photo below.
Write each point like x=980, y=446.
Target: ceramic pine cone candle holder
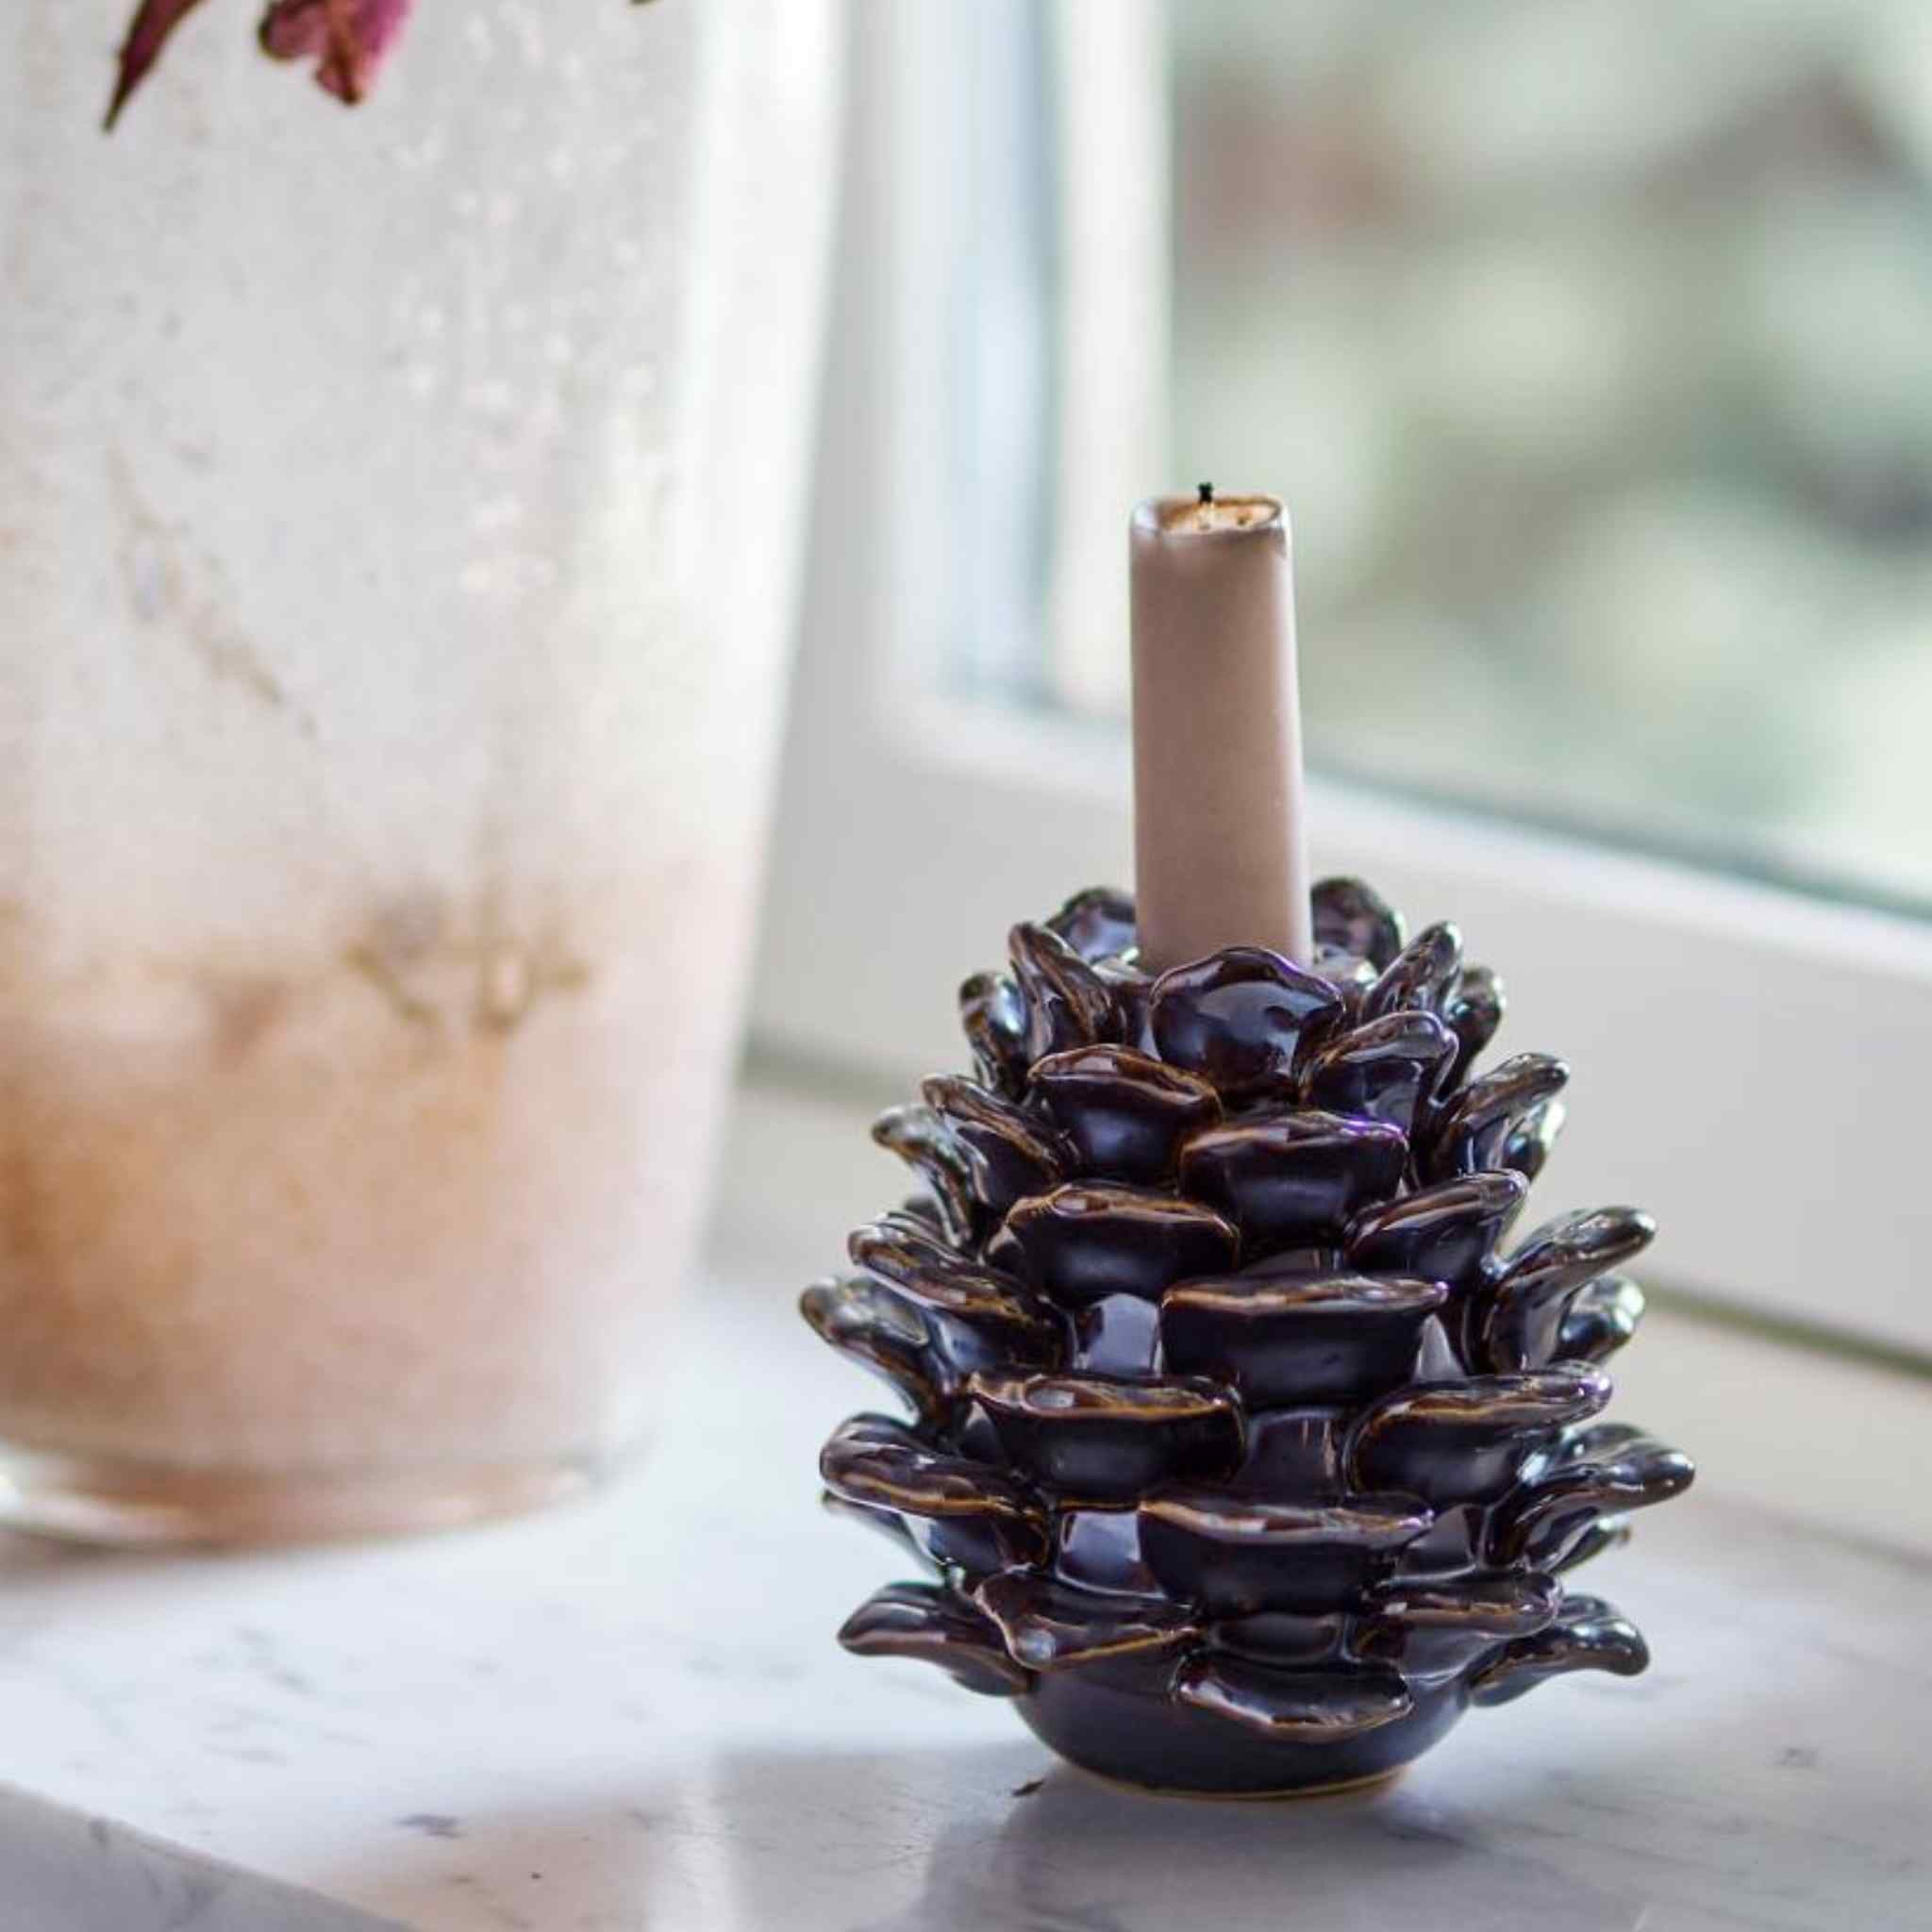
x=1242, y=1455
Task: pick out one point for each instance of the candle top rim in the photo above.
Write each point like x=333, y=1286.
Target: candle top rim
x=1221, y=515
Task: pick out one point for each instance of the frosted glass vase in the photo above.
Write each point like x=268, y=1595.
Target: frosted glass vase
x=399, y=513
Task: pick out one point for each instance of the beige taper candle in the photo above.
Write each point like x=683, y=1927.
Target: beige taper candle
x=1220, y=854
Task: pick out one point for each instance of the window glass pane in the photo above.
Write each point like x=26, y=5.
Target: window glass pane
x=1592, y=347
x=988, y=141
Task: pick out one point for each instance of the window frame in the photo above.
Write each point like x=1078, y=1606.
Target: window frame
x=1747, y=1061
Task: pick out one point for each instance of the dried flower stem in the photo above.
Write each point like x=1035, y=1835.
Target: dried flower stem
x=154, y=21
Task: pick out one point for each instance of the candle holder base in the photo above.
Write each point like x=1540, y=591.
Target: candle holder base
x=1149, y=1743
x=1243, y=1453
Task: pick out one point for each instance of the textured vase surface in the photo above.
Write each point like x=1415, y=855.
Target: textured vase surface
x=398, y=518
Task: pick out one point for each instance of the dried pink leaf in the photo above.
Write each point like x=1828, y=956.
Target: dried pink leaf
x=348, y=40
x=154, y=21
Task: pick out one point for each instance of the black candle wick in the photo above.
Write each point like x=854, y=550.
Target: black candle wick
x=1207, y=490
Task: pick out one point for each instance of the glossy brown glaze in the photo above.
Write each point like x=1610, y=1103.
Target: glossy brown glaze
x=1123, y=1112
x=1244, y=1451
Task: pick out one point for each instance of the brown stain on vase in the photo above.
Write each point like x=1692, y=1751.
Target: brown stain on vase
x=242, y=1008
x=375, y=1205
x=166, y=587
x=437, y=979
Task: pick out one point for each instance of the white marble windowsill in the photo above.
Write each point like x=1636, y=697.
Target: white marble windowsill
x=631, y=1714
